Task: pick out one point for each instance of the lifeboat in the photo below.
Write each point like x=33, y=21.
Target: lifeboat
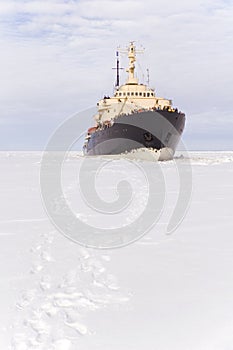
x=91, y=130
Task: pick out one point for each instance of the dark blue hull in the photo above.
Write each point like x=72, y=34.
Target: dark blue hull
x=149, y=129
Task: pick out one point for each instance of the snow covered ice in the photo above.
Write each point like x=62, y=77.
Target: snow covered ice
x=167, y=292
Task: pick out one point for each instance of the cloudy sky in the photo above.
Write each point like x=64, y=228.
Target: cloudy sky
x=57, y=57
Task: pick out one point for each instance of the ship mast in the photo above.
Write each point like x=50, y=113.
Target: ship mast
x=131, y=50
x=118, y=70
x=148, y=76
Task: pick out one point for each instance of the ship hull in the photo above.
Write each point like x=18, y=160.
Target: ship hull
x=158, y=130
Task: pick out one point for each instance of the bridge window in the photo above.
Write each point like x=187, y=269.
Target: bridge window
x=128, y=93
x=123, y=93
x=152, y=94
x=144, y=94
x=132, y=93
x=148, y=94
x=136, y=94
x=140, y=93
x=119, y=93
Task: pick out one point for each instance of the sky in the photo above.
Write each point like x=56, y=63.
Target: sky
x=57, y=57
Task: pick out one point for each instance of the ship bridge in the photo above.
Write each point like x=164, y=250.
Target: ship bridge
x=131, y=96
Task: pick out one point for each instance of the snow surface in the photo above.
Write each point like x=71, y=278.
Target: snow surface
x=165, y=292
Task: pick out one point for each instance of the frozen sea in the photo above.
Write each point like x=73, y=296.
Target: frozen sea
x=162, y=292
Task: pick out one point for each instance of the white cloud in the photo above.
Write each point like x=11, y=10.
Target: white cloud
x=56, y=56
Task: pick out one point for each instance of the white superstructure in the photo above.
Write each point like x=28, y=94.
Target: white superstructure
x=131, y=96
